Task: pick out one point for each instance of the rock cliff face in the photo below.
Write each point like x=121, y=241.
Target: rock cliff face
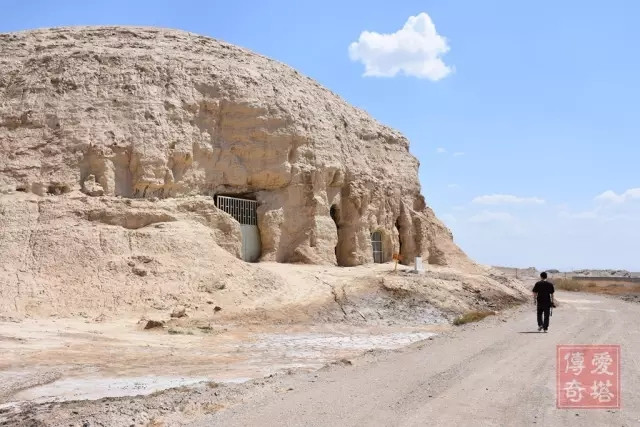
x=143, y=113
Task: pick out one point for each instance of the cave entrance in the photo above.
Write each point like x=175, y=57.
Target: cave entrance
x=335, y=216
x=245, y=212
x=376, y=244
x=399, y=238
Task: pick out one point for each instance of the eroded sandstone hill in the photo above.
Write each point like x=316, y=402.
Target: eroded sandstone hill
x=116, y=144
x=151, y=113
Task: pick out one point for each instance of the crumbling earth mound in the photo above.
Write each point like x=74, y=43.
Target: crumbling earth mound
x=153, y=113
x=116, y=144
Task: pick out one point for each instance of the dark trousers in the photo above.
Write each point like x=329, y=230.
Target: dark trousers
x=543, y=311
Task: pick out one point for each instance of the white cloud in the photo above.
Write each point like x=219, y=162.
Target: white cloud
x=585, y=234
x=613, y=197
x=441, y=150
x=507, y=199
x=458, y=154
x=488, y=216
x=414, y=50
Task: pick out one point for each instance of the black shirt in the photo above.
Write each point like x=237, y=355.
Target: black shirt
x=544, y=290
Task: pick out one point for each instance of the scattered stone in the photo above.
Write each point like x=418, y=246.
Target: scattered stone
x=139, y=271
x=217, y=308
x=152, y=324
x=179, y=312
x=91, y=188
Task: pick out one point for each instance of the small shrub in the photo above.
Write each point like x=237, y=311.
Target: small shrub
x=173, y=331
x=569, y=285
x=472, y=316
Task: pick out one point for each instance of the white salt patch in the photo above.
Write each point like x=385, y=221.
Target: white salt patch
x=97, y=388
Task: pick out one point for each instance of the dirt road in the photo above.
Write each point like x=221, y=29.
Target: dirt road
x=496, y=373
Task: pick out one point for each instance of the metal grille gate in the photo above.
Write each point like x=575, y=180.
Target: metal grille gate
x=376, y=244
x=245, y=212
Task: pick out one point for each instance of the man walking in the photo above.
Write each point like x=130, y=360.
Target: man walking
x=543, y=295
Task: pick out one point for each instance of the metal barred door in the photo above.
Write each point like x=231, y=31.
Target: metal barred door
x=376, y=244
x=245, y=212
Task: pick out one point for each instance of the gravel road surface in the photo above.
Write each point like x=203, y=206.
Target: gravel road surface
x=497, y=373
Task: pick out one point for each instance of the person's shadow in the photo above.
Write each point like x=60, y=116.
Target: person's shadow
x=530, y=332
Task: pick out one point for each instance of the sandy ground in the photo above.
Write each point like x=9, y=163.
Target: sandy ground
x=312, y=317
x=48, y=360
x=495, y=373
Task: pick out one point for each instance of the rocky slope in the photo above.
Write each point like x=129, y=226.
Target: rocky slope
x=114, y=142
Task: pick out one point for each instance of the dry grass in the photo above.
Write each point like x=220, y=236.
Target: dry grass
x=472, y=316
x=174, y=331
x=211, y=408
x=604, y=287
x=569, y=285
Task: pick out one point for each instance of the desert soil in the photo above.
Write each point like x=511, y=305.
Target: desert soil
x=493, y=373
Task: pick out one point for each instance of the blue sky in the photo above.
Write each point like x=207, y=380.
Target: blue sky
x=537, y=106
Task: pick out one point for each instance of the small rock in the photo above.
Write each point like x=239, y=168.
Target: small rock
x=217, y=308
x=151, y=324
x=91, y=188
x=139, y=271
x=179, y=311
